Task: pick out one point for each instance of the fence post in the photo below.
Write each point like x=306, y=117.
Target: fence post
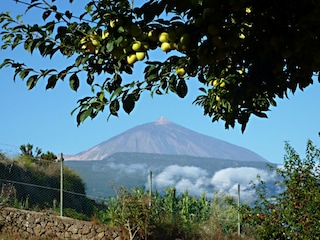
x=239, y=231
x=61, y=185
x=150, y=203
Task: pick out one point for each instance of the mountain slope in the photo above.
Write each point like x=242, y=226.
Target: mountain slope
x=165, y=137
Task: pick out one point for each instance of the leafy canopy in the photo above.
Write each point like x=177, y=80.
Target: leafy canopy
x=245, y=53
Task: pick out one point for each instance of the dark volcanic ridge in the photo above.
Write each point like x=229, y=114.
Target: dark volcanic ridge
x=165, y=137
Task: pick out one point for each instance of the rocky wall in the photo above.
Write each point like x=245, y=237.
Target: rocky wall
x=48, y=226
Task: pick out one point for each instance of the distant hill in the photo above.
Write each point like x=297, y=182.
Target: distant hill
x=132, y=170
x=165, y=137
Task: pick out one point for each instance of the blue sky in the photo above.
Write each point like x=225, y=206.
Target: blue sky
x=43, y=118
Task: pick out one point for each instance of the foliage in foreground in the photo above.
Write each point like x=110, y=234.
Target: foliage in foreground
x=31, y=182
x=245, y=54
x=171, y=216
x=293, y=213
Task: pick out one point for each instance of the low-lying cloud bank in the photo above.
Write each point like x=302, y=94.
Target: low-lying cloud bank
x=197, y=180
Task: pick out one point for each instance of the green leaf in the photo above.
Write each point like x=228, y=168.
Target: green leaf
x=203, y=90
x=260, y=114
x=110, y=46
x=32, y=81
x=6, y=62
x=82, y=115
x=182, y=88
x=52, y=82
x=128, y=103
x=90, y=79
x=33, y=5
x=68, y=14
x=114, y=107
x=74, y=82
x=16, y=41
x=50, y=26
x=46, y=14
x=24, y=73
x=116, y=92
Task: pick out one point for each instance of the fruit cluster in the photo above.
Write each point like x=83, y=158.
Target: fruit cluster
x=132, y=43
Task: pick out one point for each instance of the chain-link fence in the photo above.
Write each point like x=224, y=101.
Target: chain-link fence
x=34, y=183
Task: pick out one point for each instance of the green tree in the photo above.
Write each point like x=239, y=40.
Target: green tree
x=245, y=53
x=294, y=213
x=27, y=150
x=28, y=153
x=50, y=156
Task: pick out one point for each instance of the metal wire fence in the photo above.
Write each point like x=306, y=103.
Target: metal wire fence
x=34, y=183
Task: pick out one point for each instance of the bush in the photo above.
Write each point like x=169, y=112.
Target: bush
x=27, y=184
x=294, y=212
x=171, y=216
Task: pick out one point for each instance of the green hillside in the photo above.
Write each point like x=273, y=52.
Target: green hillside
x=132, y=169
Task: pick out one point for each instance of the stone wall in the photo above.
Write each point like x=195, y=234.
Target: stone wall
x=48, y=226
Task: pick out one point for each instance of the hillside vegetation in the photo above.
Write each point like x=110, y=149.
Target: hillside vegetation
x=34, y=183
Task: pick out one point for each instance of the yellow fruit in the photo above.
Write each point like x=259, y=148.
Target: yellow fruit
x=131, y=59
x=105, y=34
x=153, y=35
x=248, y=10
x=215, y=82
x=165, y=46
x=83, y=40
x=215, y=108
x=140, y=55
x=112, y=23
x=242, y=36
x=115, y=22
x=180, y=71
x=164, y=37
x=218, y=98
x=94, y=41
x=223, y=84
x=136, y=46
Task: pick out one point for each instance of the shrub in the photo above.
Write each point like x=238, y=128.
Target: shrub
x=171, y=216
x=294, y=212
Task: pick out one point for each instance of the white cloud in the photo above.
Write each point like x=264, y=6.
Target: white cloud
x=129, y=169
x=193, y=179
x=227, y=180
x=197, y=180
